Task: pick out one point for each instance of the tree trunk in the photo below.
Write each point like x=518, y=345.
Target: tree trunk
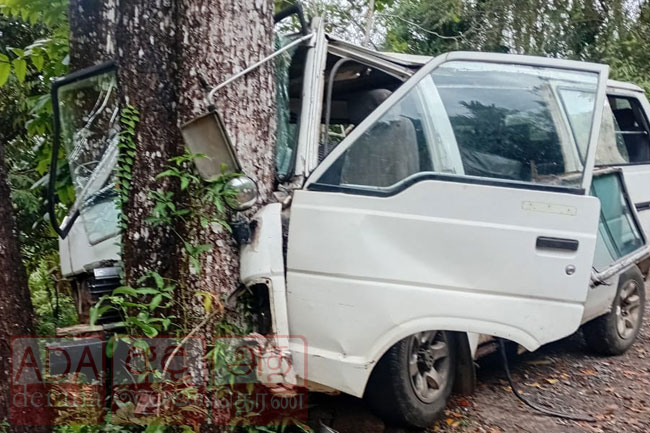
x=148, y=57
x=16, y=313
x=219, y=39
x=161, y=49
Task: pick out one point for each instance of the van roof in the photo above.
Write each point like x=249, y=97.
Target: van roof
x=416, y=61
x=613, y=84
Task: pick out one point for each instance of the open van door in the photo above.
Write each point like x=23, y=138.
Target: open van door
x=460, y=204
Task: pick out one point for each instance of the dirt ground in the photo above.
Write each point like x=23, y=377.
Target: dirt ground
x=563, y=376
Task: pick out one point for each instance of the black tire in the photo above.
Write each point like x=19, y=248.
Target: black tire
x=391, y=392
x=605, y=334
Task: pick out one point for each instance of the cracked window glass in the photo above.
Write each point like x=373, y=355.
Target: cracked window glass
x=89, y=117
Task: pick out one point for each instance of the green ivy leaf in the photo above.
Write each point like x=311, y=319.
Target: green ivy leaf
x=20, y=67
x=160, y=282
x=124, y=290
x=18, y=52
x=38, y=61
x=5, y=70
x=184, y=183
x=148, y=330
x=155, y=302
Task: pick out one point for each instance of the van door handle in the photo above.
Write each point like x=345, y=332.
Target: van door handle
x=545, y=242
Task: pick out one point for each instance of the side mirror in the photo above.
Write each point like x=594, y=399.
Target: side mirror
x=206, y=135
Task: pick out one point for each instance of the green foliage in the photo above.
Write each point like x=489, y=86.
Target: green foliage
x=106, y=428
x=343, y=18
x=34, y=50
x=607, y=31
x=44, y=284
x=141, y=308
x=205, y=203
x=129, y=118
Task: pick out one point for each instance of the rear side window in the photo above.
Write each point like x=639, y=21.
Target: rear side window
x=631, y=128
x=484, y=120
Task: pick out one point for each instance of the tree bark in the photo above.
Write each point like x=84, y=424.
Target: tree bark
x=16, y=313
x=92, y=32
x=163, y=49
x=148, y=56
x=219, y=39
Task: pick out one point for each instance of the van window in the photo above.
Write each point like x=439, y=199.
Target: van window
x=578, y=105
x=90, y=125
x=474, y=119
x=611, y=145
x=388, y=151
x=287, y=127
x=632, y=128
x=618, y=233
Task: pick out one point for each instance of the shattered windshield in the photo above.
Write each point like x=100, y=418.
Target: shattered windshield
x=89, y=117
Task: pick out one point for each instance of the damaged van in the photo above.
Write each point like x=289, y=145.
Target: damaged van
x=422, y=206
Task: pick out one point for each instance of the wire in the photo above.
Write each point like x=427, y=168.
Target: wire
x=533, y=406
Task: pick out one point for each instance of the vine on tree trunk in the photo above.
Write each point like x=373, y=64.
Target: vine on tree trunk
x=129, y=118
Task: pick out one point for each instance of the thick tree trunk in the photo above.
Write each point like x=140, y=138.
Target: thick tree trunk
x=16, y=313
x=219, y=39
x=164, y=47
x=161, y=49
x=148, y=56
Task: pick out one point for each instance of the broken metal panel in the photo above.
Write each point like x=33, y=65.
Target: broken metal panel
x=262, y=263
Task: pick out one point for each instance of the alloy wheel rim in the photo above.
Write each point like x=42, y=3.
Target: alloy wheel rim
x=628, y=310
x=428, y=364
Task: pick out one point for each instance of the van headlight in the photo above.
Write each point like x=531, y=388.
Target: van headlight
x=242, y=193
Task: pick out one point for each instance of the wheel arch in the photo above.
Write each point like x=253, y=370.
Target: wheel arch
x=466, y=332
x=644, y=267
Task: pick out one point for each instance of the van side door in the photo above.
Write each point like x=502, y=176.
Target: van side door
x=497, y=238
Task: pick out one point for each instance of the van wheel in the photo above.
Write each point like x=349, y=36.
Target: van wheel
x=411, y=383
x=614, y=332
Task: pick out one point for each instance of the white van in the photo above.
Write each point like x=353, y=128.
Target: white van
x=423, y=204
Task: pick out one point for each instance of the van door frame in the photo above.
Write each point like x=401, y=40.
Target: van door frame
x=640, y=207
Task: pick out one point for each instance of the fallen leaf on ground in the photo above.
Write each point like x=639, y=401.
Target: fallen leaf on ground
x=610, y=409
x=540, y=362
